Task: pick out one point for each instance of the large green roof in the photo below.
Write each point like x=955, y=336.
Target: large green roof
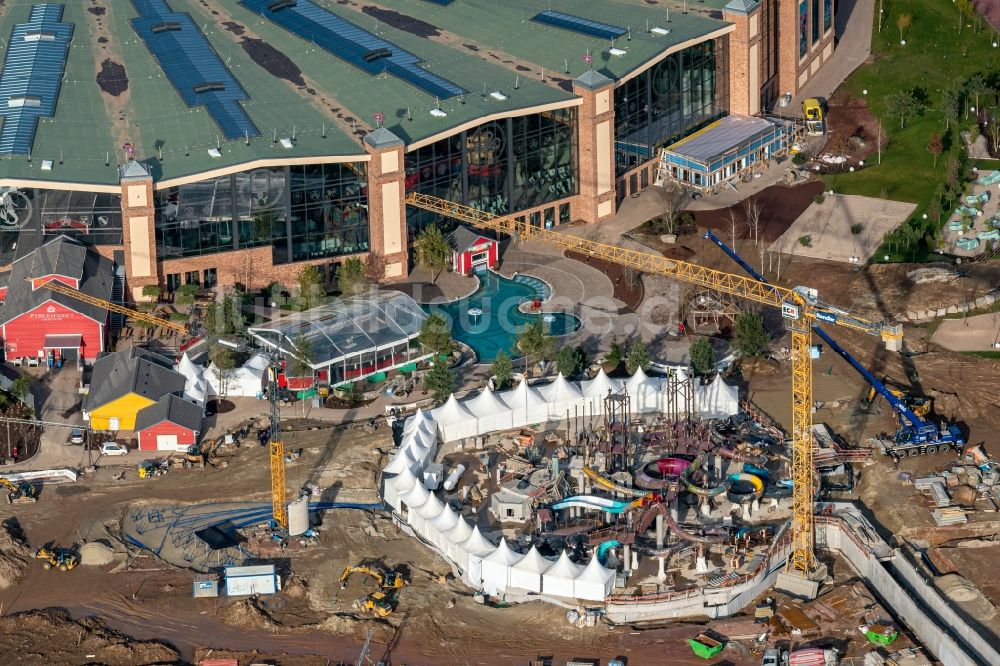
x=327, y=103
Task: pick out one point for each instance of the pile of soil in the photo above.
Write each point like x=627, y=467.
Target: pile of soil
x=246, y=615
x=780, y=206
x=96, y=554
x=631, y=297
x=851, y=129
x=14, y=553
x=348, y=625
x=52, y=638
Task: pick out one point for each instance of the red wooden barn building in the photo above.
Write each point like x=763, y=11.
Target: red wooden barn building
x=39, y=322
x=171, y=424
x=471, y=251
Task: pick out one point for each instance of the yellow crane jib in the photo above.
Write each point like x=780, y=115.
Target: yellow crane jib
x=60, y=288
x=800, y=306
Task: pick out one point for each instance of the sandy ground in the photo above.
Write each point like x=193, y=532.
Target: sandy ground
x=978, y=333
x=829, y=225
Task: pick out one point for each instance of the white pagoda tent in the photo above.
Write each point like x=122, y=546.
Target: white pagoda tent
x=559, y=580
x=402, y=460
x=455, y=537
x=454, y=421
x=562, y=396
x=431, y=509
x=475, y=548
x=491, y=412
x=595, y=582
x=440, y=526
x=527, y=574
x=717, y=400
x=395, y=487
x=413, y=500
x=526, y=404
x=496, y=567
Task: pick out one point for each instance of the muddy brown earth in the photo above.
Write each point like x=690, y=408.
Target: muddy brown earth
x=779, y=205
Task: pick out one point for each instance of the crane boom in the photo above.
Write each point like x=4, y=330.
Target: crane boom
x=60, y=288
x=800, y=306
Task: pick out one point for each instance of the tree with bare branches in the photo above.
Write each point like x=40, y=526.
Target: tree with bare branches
x=734, y=227
x=753, y=210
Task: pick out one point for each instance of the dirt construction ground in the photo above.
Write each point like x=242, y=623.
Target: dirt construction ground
x=310, y=622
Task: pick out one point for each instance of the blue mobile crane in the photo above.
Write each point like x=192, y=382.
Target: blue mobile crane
x=915, y=435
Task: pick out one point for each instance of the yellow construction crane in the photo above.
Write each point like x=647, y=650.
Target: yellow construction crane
x=60, y=288
x=800, y=306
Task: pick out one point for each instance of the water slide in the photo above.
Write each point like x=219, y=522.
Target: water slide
x=694, y=489
x=596, y=502
x=602, y=550
x=611, y=485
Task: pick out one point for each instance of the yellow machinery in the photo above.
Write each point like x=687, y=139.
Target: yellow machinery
x=19, y=493
x=800, y=306
x=60, y=288
x=382, y=602
x=812, y=110
x=919, y=405
x=390, y=581
x=57, y=558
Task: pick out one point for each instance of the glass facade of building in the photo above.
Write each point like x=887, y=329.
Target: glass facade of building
x=301, y=212
x=31, y=216
x=502, y=166
x=676, y=96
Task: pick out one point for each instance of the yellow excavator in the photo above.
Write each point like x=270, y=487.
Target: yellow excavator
x=919, y=405
x=19, y=493
x=383, y=601
x=57, y=558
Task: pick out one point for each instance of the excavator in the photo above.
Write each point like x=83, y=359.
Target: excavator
x=383, y=601
x=57, y=558
x=19, y=493
x=919, y=405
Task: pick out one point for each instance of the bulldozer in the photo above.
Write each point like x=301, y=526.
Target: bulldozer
x=19, y=493
x=919, y=405
x=57, y=558
x=386, y=581
x=382, y=602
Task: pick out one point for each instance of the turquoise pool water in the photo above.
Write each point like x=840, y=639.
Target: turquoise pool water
x=488, y=319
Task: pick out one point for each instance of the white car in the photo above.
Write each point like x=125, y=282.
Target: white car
x=113, y=449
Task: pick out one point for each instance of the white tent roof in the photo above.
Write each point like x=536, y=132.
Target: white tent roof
x=431, y=509
x=486, y=404
x=416, y=497
x=533, y=562
x=460, y=533
x=639, y=379
x=560, y=390
x=421, y=421
x=402, y=460
x=504, y=555
x=477, y=543
x=523, y=396
x=717, y=400
x=403, y=482
x=599, y=386
x=451, y=412
x=595, y=572
x=564, y=568
x=446, y=520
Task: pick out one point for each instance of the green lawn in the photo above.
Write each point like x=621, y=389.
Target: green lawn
x=936, y=56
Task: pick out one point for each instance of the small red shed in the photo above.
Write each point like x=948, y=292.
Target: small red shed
x=471, y=251
x=171, y=424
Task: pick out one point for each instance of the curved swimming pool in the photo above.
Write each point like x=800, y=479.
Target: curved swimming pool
x=488, y=319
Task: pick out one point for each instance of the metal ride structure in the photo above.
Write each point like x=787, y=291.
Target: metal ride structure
x=800, y=306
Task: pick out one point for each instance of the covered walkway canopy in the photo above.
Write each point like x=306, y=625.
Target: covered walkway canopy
x=352, y=337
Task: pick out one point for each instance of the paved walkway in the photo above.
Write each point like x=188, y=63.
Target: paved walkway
x=977, y=333
x=854, y=27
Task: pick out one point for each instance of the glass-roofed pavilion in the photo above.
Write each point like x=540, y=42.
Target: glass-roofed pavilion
x=351, y=338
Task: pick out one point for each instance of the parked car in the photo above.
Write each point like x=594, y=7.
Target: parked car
x=76, y=436
x=113, y=449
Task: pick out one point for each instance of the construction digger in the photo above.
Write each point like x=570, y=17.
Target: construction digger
x=383, y=601
x=57, y=558
x=19, y=493
x=919, y=405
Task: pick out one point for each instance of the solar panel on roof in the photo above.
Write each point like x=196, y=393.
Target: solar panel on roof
x=352, y=44
x=32, y=75
x=193, y=66
x=579, y=24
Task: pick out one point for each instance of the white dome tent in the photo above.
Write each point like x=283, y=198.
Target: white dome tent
x=527, y=574
x=559, y=580
x=397, y=486
x=454, y=421
x=595, y=582
x=526, y=404
x=496, y=568
x=562, y=396
x=475, y=548
x=246, y=381
x=491, y=412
